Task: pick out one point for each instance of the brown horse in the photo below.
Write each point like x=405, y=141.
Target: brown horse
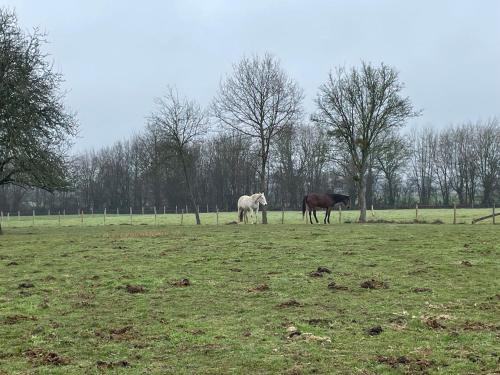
x=327, y=201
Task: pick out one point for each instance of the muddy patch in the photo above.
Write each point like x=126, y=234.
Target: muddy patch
x=433, y=322
x=15, y=319
x=259, y=288
x=334, y=286
x=374, y=284
x=125, y=333
x=319, y=322
x=466, y=263
x=374, y=331
x=421, y=290
x=102, y=365
x=26, y=284
x=416, y=364
x=40, y=356
x=181, y=283
x=134, y=289
x=13, y=263
x=289, y=303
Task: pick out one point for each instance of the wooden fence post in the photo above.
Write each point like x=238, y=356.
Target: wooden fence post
x=207, y=208
x=117, y=211
x=176, y=210
x=164, y=210
x=493, y=213
x=155, y=215
x=454, y=213
x=19, y=215
x=182, y=216
x=187, y=209
x=282, y=215
x=33, y=217
x=104, y=215
x=217, y=213
x=92, y=211
x=48, y=212
x=130, y=215
x=59, y=217
x=416, y=212
x=81, y=216
x=340, y=214
x=142, y=210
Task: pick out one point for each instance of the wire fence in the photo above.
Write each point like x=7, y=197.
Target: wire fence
x=157, y=217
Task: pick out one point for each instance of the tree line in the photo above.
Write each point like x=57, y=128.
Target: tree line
x=254, y=137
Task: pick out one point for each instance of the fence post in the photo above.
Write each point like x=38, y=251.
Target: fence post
x=155, y=215
x=182, y=216
x=143, y=210
x=1, y=216
x=117, y=211
x=207, y=208
x=176, y=210
x=48, y=212
x=373, y=213
x=493, y=212
x=416, y=211
x=59, y=217
x=164, y=211
x=282, y=215
x=81, y=215
x=33, y=217
x=18, y=215
x=8, y=216
x=187, y=209
x=92, y=211
x=104, y=215
x=64, y=212
x=340, y=214
x=130, y=215
x=217, y=213
x=454, y=213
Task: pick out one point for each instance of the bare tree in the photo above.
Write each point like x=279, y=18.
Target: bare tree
x=181, y=123
x=360, y=106
x=487, y=156
x=259, y=100
x=391, y=158
x=424, y=146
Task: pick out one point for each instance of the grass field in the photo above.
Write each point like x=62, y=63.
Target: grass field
x=464, y=216
x=112, y=299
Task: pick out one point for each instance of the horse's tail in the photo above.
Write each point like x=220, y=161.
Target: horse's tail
x=241, y=214
x=304, y=206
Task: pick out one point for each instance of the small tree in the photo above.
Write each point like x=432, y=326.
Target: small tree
x=360, y=107
x=259, y=100
x=181, y=123
x=35, y=128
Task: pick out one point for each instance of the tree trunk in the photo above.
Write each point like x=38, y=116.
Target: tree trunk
x=190, y=191
x=362, y=197
x=263, y=190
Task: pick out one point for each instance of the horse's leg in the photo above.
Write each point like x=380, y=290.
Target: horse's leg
x=329, y=211
x=326, y=216
x=256, y=214
x=310, y=217
x=315, y=217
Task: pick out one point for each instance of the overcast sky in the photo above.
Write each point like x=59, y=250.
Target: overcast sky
x=117, y=56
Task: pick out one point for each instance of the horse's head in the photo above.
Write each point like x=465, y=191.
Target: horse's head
x=262, y=199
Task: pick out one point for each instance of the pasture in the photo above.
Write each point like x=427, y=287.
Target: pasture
x=245, y=299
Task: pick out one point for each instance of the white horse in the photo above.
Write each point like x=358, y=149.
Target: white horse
x=250, y=204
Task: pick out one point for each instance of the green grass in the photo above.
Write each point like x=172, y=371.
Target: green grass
x=79, y=310
x=274, y=217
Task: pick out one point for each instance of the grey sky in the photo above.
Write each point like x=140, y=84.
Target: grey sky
x=116, y=56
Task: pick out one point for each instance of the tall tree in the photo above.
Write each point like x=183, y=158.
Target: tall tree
x=181, y=123
x=259, y=100
x=35, y=127
x=360, y=106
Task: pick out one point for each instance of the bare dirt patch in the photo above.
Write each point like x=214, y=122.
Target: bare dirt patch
x=125, y=333
x=14, y=319
x=466, y=263
x=334, y=286
x=259, y=288
x=102, y=365
x=40, y=356
x=374, y=284
x=181, y=283
x=421, y=290
x=416, y=364
x=433, y=322
x=26, y=284
x=374, y=331
x=134, y=289
x=290, y=303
